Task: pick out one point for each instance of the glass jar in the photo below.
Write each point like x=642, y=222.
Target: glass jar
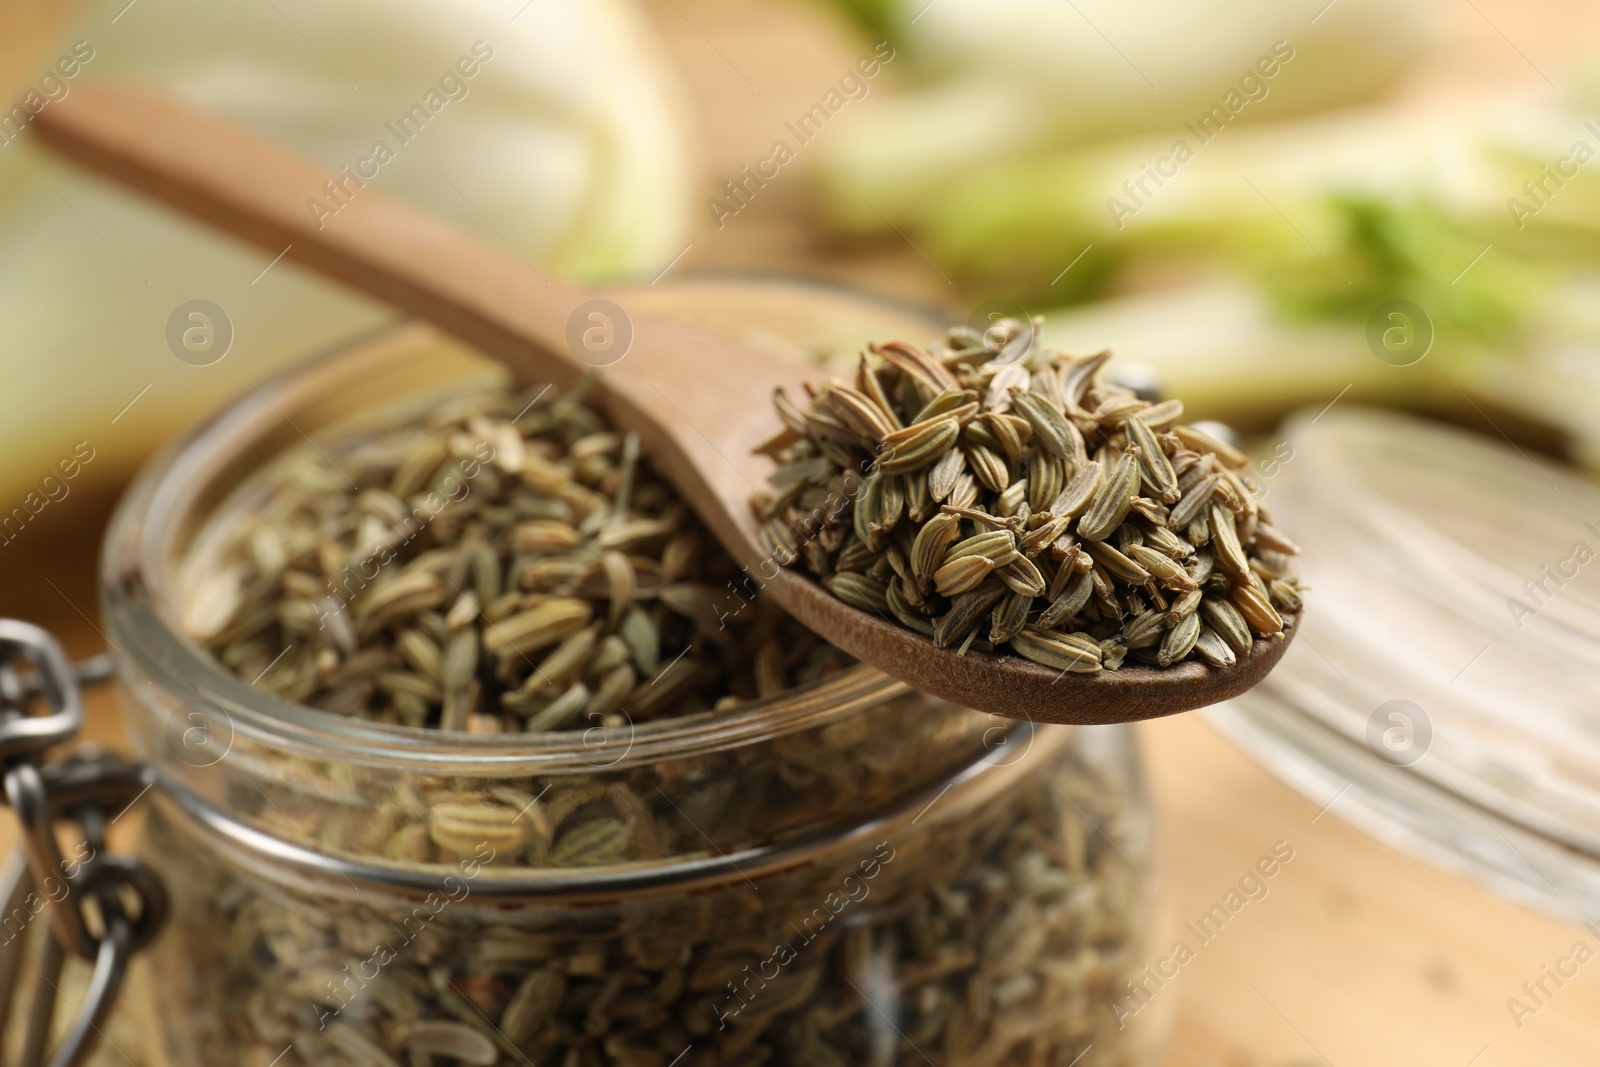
x=847, y=872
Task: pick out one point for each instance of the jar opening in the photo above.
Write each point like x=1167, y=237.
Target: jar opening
x=165, y=515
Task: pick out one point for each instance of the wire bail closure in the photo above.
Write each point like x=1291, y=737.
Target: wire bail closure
x=101, y=907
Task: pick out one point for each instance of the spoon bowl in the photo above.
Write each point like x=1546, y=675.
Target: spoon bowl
x=699, y=404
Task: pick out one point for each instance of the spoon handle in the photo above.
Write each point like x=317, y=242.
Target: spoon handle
x=699, y=403
x=248, y=187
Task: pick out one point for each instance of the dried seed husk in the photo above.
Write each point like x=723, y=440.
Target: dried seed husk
x=965, y=493
x=927, y=444
x=868, y=514
x=859, y=412
x=1010, y=434
x=962, y=575
x=988, y=467
x=1210, y=647
x=421, y=652
x=642, y=638
x=1270, y=566
x=1153, y=462
x=1196, y=498
x=870, y=385
x=1051, y=430
x=858, y=590
x=998, y=546
x=533, y=1006
x=1187, y=604
x=417, y=468
x=1013, y=500
x=1042, y=536
x=1065, y=652
x=404, y=595
x=354, y=1045
x=460, y=659
x=933, y=540
x=1243, y=498
x=1008, y=617
x=1162, y=567
x=1069, y=603
x=398, y=682
x=902, y=610
x=822, y=423
x=1228, y=622
x=1111, y=502
x=791, y=415
x=450, y=1040
x=1075, y=380
x=891, y=504
x=1230, y=555
x=614, y=688
x=621, y=584
x=1227, y=493
x=916, y=363
x=1021, y=576
x=1008, y=378
x=460, y=705
x=636, y=534
x=559, y=712
x=967, y=610
x=943, y=474
x=958, y=404
x=463, y=828
x=1105, y=591
x=919, y=505
x=1257, y=611
x=1046, y=478
x=856, y=556
x=1269, y=537
x=1144, y=628
x=539, y=627
x=1083, y=487
x=1201, y=441
x=1179, y=641
x=708, y=606
x=1115, y=563
x=1192, y=467
x=544, y=535
x=597, y=842
x=1163, y=540
x=1285, y=595
x=1162, y=416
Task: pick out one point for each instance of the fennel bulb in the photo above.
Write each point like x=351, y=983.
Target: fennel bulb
x=565, y=143
x=1008, y=78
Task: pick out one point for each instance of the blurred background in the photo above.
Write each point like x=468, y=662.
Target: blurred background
x=1365, y=234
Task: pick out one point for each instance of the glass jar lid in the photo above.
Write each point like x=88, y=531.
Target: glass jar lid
x=1442, y=693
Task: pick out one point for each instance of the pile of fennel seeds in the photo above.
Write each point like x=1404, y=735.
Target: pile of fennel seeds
x=502, y=563
x=997, y=495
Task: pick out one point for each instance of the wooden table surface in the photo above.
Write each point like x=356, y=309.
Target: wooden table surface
x=1359, y=955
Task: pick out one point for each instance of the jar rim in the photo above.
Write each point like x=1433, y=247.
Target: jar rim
x=290, y=863
x=169, y=499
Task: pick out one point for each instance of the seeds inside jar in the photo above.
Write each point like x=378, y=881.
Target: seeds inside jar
x=507, y=564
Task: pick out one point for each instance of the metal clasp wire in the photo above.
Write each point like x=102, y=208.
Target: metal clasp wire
x=102, y=907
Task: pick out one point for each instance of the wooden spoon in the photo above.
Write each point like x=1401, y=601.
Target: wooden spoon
x=699, y=404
